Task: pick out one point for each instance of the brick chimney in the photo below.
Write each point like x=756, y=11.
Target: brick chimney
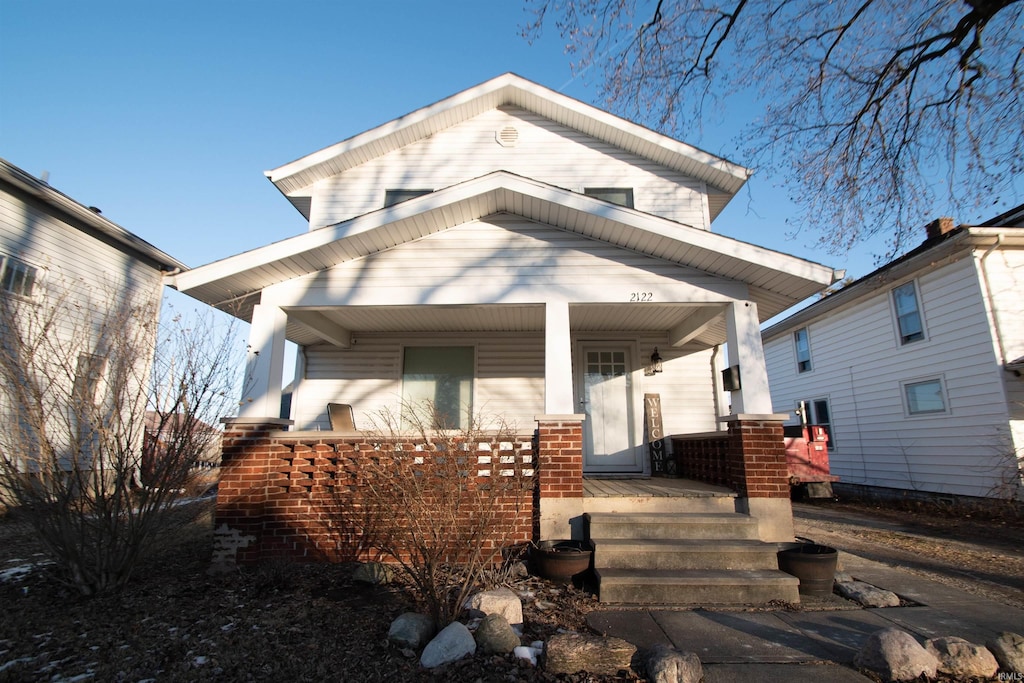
x=939, y=227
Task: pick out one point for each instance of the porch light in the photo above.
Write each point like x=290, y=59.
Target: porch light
x=656, y=365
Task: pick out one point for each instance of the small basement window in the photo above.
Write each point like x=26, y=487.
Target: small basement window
x=623, y=196
x=392, y=197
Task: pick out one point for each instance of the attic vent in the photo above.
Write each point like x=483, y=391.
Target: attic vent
x=507, y=136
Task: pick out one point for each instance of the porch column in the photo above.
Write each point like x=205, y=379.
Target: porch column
x=557, y=360
x=745, y=350
x=264, y=367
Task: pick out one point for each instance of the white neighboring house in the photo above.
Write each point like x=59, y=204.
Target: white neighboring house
x=916, y=367
x=54, y=248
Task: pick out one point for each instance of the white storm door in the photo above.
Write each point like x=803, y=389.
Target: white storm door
x=606, y=397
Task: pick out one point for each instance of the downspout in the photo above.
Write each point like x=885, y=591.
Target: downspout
x=716, y=383
x=992, y=304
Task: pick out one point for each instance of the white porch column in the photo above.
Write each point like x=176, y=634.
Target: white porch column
x=264, y=367
x=557, y=360
x=744, y=339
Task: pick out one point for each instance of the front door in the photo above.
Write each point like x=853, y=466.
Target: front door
x=605, y=387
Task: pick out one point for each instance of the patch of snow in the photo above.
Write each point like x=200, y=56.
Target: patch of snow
x=200, y=660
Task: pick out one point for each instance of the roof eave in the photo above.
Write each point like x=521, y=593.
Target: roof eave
x=507, y=89
x=42, y=191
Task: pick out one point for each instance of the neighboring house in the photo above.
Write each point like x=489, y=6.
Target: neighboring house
x=55, y=251
x=916, y=368
x=512, y=251
x=160, y=433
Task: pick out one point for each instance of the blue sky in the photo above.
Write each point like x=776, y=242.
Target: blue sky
x=164, y=114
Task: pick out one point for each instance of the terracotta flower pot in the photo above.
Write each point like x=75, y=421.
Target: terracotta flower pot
x=560, y=560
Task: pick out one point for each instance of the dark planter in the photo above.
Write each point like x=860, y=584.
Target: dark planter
x=813, y=564
x=559, y=561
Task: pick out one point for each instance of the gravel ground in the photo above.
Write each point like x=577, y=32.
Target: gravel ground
x=292, y=622
x=982, y=555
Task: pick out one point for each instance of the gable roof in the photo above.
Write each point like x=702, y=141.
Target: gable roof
x=1003, y=230
x=127, y=241
x=507, y=89
x=776, y=280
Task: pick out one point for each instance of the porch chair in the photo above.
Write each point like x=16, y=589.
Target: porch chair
x=342, y=419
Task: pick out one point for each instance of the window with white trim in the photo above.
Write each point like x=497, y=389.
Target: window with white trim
x=908, y=313
x=803, y=350
x=16, y=276
x=442, y=376
x=925, y=397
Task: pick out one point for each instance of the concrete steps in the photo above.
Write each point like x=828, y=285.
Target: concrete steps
x=685, y=559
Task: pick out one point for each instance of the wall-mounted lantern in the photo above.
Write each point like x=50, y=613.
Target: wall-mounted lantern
x=656, y=364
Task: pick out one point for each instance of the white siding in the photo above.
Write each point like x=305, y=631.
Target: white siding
x=509, y=379
x=501, y=254
x=98, y=273
x=545, y=151
x=859, y=365
x=1004, y=271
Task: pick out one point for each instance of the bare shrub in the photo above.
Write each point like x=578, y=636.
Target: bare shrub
x=436, y=510
x=78, y=374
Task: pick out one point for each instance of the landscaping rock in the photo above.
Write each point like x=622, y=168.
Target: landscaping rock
x=373, y=573
x=568, y=653
x=495, y=636
x=450, y=645
x=498, y=601
x=1008, y=649
x=667, y=665
x=962, y=658
x=896, y=656
x=867, y=595
x=411, y=630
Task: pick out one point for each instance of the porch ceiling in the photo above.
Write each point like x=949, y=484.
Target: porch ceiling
x=609, y=318
x=775, y=280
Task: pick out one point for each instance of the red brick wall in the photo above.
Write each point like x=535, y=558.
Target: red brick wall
x=303, y=497
x=560, y=459
x=757, y=459
x=702, y=458
x=749, y=459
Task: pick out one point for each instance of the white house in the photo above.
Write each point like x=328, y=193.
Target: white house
x=916, y=368
x=57, y=252
x=514, y=251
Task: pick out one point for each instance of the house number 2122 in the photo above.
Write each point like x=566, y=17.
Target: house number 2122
x=641, y=296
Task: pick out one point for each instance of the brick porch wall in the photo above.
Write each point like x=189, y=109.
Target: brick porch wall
x=560, y=458
x=300, y=495
x=750, y=458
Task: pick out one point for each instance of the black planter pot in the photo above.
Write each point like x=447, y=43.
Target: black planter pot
x=560, y=560
x=813, y=564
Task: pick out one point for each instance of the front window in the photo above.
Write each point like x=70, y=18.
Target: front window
x=803, y=350
x=623, y=196
x=908, y=313
x=443, y=377
x=924, y=398
x=17, y=276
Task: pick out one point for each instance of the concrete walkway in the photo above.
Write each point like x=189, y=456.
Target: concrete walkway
x=820, y=641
